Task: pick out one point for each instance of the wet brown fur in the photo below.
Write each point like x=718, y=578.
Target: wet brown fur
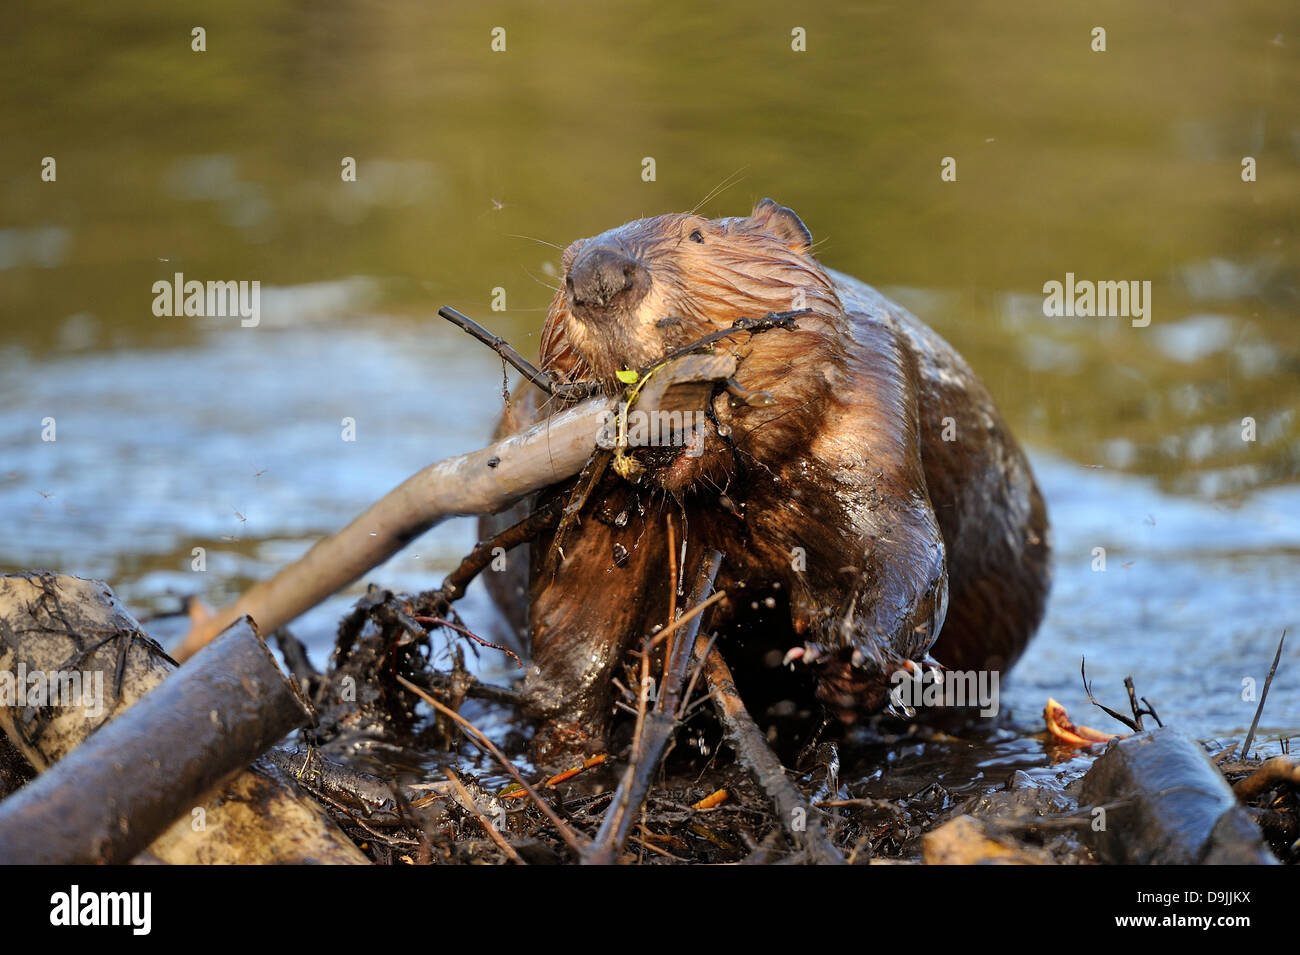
x=844, y=508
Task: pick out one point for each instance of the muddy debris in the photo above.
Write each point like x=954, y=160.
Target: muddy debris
x=413, y=761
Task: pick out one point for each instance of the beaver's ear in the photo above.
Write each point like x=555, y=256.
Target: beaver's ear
x=775, y=219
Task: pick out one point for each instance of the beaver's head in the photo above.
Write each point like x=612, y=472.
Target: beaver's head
x=634, y=293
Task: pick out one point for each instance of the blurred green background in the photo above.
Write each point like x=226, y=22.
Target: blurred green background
x=1123, y=164
x=475, y=168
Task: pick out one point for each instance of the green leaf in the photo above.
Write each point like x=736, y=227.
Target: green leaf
x=627, y=377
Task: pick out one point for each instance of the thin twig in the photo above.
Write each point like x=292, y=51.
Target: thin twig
x=686, y=618
x=471, y=686
x=672, y=576
x=756, y=756
x=522, y=532
x=1254, y=725
x=655, y=849
x=654, y=729
x=568, y=835
x=751, y=325
x=526, y=368
x=695, y=675
x=1087, y=689
x=1146, y=709
x=1132, y=701
x=466, y=632
x=467, y=800
x=598, y=760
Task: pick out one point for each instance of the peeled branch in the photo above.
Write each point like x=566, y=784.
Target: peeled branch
x=481, y=482
x=1274, y=772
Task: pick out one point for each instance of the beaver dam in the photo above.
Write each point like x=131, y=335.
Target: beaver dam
x=412, y=760
x=704, y=743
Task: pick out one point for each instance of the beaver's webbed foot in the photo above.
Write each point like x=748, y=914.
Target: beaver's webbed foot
x=850, y=684
x=573, y=718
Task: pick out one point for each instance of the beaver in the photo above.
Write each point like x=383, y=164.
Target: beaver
x=873, y=509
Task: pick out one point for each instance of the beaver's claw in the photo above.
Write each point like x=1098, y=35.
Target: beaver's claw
x=856, y=682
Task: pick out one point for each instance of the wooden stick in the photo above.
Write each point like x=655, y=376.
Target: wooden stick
x=481, y=482
x=582, y=389
x=654, y=730
x=1268, y=681
x=568, y=835
x=144, y=750
x=756, y=756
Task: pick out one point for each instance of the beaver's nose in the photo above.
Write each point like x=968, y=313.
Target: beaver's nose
x=604, y=279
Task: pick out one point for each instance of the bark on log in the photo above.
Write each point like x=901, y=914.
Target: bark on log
x=481, y=482
x=15, y=771
x=159, y=744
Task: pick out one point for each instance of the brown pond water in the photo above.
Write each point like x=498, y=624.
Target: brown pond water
x=475, y=167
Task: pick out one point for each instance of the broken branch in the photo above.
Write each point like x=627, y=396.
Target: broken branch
x=481, y=482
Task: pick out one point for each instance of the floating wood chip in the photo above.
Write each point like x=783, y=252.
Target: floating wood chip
x=1067, y=733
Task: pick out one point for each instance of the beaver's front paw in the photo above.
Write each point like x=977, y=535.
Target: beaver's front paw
x=852, y=682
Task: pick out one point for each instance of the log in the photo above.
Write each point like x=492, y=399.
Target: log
x=481, y=482
x=1167, y=804
x=138, y=756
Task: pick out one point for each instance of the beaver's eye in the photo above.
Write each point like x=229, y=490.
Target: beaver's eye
x=696, y=237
